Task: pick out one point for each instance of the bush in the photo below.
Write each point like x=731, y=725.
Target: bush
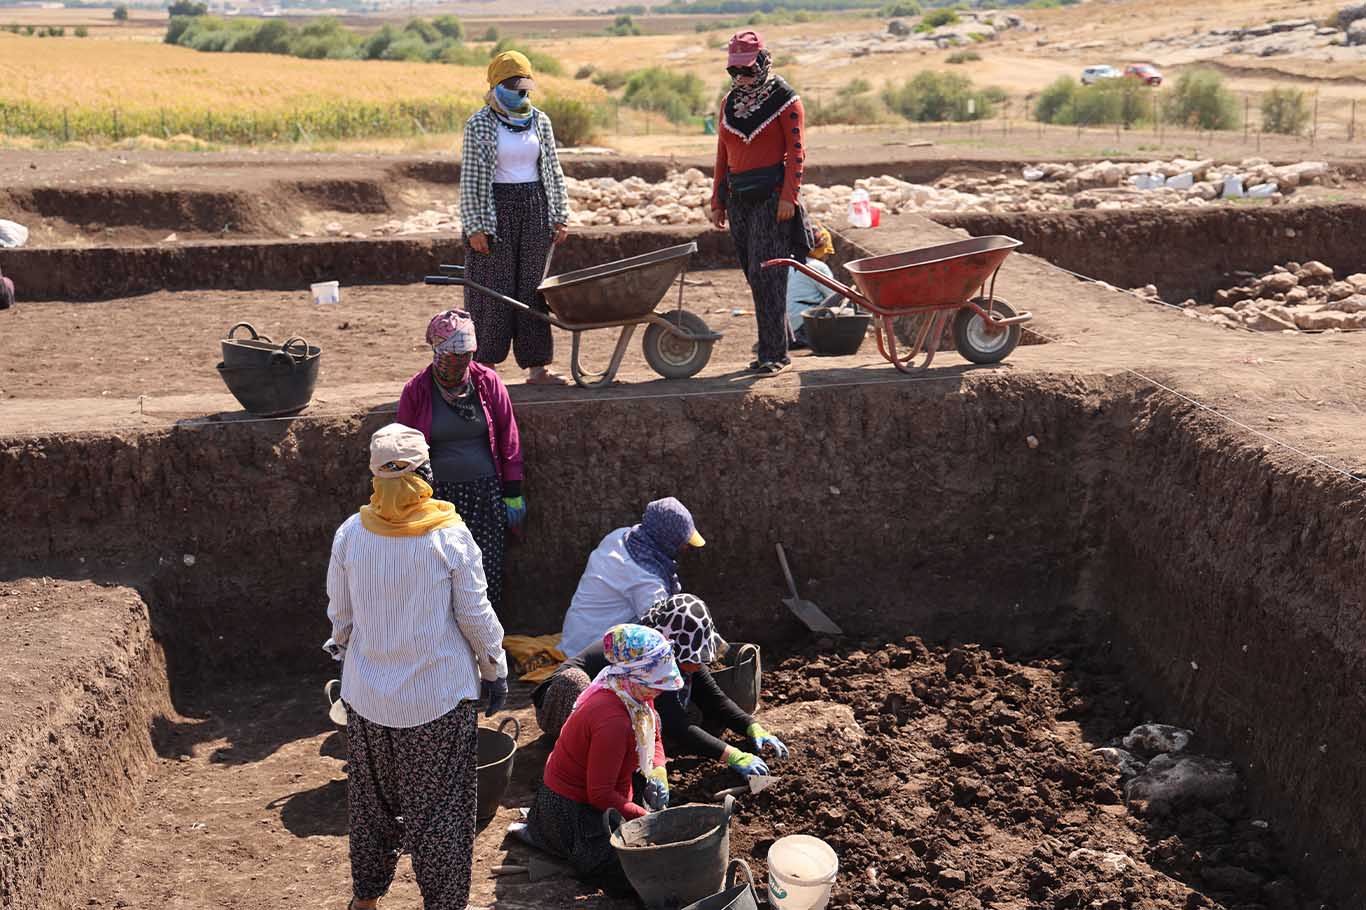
x=1285, y=110
x=574, y=121
x=82, y=32
x=449, y=27
x=940, y=17
x=463, y=55
x=853, y=105
x=585, y=71
x=491, y=33
x=544, y=64
x=422, y=29
x=678, y=96
x=187, y=8
x=120, y=13
x=900, y=9
x=623, y=26
x=1123, y=101
x=611, y=80
x=964, y=57
x=1200, y=100
x=933, y=97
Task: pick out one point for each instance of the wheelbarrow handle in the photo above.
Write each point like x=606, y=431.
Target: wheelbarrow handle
x=842, y=289
x=465, y=282
x=447, y=269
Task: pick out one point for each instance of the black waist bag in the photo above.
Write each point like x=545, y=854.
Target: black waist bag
x=6, y=293
x=756, y=185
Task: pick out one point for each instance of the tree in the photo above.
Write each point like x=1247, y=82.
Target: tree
x=188, y=8
x=121, y=13
x=1285, y=110
x=449, y=26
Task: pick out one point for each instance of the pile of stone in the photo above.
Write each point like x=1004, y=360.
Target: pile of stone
x=1176, y=182
x=1291, y=297
x=1338, y=40
x=443, y=218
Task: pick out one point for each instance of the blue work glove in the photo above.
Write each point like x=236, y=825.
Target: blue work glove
x=747, y=764
x=516, y=506
x=761, y=737
x=495, y=692
x=657, y=789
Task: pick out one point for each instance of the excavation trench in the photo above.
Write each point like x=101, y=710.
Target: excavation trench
x=1134, y=562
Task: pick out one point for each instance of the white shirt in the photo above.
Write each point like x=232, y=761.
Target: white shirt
x=804, y=292
x=519, y=156
x=413, y=617
x=614, y=589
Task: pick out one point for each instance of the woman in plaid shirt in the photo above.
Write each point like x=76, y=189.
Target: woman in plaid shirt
x=513, y=207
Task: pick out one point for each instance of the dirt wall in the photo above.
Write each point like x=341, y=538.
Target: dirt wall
x=84, y=683
x=101, y=273
x=1185, y=252
x=1232, y=579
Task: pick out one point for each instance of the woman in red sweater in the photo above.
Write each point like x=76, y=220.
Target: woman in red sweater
x=756, y=186
x=612, y=733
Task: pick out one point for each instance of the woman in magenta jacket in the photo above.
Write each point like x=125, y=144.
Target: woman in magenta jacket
x=463, y=410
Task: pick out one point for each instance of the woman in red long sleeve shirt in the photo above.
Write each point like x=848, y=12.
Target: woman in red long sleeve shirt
x=756, y=186
x=612, y=732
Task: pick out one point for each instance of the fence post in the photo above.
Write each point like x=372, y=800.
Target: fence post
x=1247, y=115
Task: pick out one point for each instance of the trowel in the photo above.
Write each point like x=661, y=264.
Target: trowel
x=810, y=614
x=756, y=784
x=537, y=869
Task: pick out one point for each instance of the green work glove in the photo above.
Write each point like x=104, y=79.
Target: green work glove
x=761, y=737
x=657, y=789
x=747, y=764
x=516, y=506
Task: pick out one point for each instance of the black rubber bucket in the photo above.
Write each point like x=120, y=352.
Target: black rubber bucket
x=674, y=857
x=737, y=895
x=741, y=677
x=268, y=379
x=832, y=334
x=497, y=755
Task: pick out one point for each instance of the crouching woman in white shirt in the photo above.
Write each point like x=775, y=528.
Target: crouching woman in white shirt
x=420, y=644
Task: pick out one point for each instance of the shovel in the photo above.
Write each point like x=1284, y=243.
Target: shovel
x=756, y=784
x=537, y=869
x=810, y=614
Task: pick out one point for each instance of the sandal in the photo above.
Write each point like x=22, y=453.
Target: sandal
x=545, y=376
x=772, y=367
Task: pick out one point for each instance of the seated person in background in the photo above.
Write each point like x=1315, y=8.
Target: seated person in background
x=612, y=733
x=631, y=570
x=686, y=622
x=804, y=292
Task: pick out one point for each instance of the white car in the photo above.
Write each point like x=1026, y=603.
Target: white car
x=1093, y=74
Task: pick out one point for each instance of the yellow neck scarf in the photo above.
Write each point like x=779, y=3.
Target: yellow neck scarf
x=403, y=507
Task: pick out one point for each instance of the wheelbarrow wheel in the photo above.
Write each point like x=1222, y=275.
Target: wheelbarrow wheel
x=673, y=357
x=976, y=341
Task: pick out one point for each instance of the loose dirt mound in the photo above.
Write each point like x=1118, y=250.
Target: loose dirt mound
x=972, y=786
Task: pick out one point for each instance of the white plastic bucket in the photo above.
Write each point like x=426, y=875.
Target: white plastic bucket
x=326, y=292
x=801, y=873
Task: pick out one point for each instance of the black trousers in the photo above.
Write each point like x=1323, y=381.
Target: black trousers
x=759, y=237
x=513, y=267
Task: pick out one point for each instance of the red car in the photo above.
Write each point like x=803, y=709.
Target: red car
x=1145, y=71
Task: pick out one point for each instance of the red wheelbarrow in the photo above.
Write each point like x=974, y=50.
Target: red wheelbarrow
x=936, y=282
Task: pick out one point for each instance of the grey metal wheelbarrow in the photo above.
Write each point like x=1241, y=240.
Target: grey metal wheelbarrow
x=621, y=294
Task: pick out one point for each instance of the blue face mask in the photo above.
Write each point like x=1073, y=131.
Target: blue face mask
x=512, y=100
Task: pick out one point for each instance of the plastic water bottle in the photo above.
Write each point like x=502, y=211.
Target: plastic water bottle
x=860, y=210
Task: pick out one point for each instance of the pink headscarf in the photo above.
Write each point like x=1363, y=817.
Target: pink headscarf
x=452, y=332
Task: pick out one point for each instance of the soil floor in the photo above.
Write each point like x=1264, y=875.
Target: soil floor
x=944, y=778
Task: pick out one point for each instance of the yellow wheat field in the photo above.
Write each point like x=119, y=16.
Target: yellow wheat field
x=77, y=72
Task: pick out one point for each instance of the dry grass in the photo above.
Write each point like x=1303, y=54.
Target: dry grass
x=82, y=89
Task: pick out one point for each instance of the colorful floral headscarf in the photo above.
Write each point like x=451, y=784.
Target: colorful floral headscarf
x=644, y=657
x=452, y=332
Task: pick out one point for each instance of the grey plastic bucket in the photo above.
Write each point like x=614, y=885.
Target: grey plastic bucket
x=497, y=755
x=736, y=896
x=674, y=857
x=741, y=678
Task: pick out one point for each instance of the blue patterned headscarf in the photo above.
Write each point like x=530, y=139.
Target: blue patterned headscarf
x=654, y=543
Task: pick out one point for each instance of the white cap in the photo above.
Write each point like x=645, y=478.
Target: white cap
x=396, y=450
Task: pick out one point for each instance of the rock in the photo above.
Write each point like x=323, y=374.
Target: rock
x=1356, y=32
x=1231, y=878
x=953, y=878
x=1358, y=281
x=1279, y=283
x=1340, y=290
x=898, y=28
x=1176, y=779
x=1157, y=738
x=1318, y=320
x=1354, y=304
x=1127, y=763
x=1314, y=271
x=1296, y=296
x=1108, y=862
x=1263, y=321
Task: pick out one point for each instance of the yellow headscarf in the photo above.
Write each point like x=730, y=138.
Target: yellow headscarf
x=508, y=64
x=825, y=244
x=403, y=507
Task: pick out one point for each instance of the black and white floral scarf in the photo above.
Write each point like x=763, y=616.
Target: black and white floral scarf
x=750, y=108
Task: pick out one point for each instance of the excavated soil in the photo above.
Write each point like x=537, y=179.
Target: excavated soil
x=967, y=782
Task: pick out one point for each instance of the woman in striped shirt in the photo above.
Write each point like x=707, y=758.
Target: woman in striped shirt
x=419, y=645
